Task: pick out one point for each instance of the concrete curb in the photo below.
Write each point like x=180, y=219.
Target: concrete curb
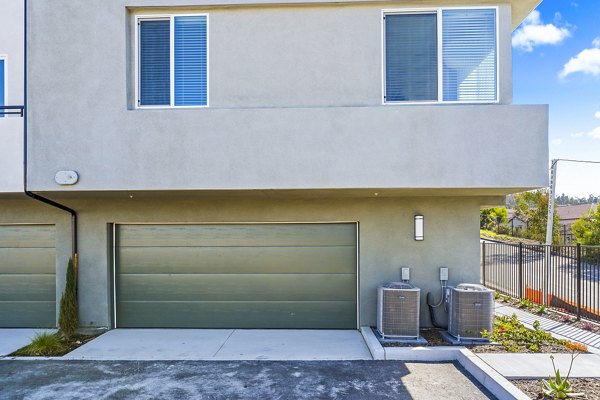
x=375, y=348
x=498, y=385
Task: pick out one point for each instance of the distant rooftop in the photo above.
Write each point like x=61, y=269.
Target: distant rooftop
x=574, y=211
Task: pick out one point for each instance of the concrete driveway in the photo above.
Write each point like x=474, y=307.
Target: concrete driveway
x=235, y=380
x=224, y=344
x=13, y=339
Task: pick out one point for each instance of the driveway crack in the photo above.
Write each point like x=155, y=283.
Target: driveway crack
x=223, y=344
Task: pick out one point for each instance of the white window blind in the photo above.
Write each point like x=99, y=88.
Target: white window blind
x=190, y=61
x=469, y=54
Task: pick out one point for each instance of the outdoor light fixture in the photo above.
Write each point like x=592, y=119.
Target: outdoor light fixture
x=419, y=235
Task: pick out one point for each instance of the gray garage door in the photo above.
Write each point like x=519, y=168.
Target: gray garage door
x=27, y=276
x=236, y=276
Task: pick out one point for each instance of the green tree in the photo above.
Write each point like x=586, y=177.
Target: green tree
x=490, y=217
x=68, y=319
x=587, y=229
x=532, y=208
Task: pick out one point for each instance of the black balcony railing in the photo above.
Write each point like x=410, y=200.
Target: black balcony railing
x=12, y=110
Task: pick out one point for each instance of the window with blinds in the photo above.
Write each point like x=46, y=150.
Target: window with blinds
x=446, y=55
x=173, y=61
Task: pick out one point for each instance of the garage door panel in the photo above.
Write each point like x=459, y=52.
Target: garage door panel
x=27, y=276
x=28, y=314
x=34, y=288
x=290, y=315
x=27, y=236
x=235, y=260
x=237, y=235
x=271, y=287
x=237, y=275
x=27, y=261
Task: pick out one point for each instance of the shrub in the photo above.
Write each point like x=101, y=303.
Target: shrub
x=68, y=320
x=513, y=336
x=588, y=326
x=43, y=344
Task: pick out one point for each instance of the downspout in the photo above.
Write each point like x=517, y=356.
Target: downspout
x=35, y=196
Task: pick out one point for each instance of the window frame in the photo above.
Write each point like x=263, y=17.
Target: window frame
x=440, y=68
x=171, y=18
x=4, y=77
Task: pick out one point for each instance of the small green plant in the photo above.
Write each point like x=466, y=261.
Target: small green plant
x=513, y=336
x=43, y=344
x=525, y=303
x=557, y=386
x=68, y=319
x=542, y=309
x=496, y=295
x=506, y=299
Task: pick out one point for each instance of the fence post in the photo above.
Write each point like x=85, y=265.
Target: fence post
x=578, y=281
x=521, y=286
x=483, y=262
x=546, y=279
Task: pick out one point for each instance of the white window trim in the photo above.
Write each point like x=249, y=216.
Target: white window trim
x=438, y=12
x=4, y=57
x=171, y=18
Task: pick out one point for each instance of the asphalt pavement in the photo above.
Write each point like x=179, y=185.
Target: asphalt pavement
x=45, y=380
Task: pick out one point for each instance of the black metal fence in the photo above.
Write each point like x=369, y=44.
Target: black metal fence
x=563, y=277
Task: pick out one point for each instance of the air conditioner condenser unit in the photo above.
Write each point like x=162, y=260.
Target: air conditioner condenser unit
x=398, y=305
x=471, y=311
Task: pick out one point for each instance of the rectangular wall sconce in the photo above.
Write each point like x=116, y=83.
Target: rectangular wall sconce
x=419, y=228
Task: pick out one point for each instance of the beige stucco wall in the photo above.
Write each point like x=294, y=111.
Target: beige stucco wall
x=386, y=240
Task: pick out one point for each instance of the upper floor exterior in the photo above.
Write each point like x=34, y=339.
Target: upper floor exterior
x=161, y=95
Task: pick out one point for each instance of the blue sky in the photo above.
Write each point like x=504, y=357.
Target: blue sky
x=556, y=61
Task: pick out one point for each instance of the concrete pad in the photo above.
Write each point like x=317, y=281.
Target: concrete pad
x=153, y=344
x=526, y=366
x=13, y=339
x=284, y=344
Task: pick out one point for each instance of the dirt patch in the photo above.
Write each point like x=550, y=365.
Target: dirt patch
x=533, y=387
x=432, y=335
x=68, y=345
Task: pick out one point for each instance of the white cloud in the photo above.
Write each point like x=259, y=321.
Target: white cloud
x=597, y=114
x=587, y=61
x=533, y=32
x=556, y=141
x=594, y=133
